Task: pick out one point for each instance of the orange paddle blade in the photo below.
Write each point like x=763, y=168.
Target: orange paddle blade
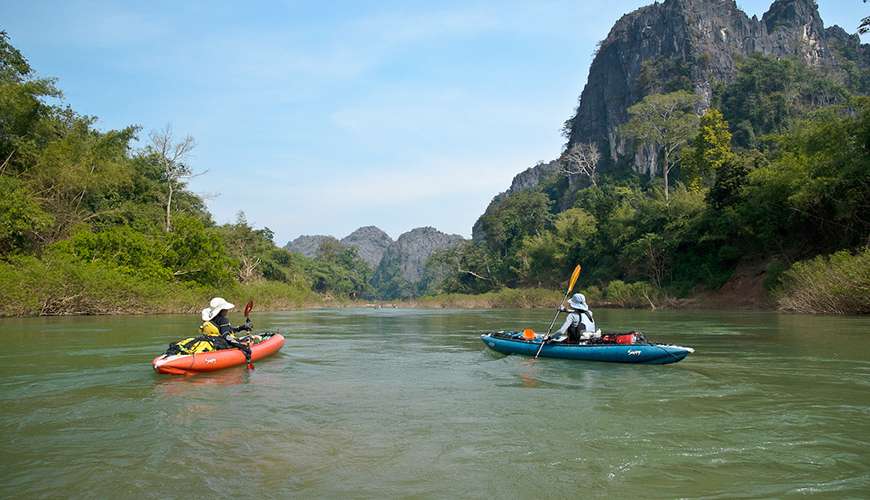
x=574, y=276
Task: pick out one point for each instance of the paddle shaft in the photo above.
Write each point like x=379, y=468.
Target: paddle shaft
x=248, y=307
x=544, y=340
x=574, y=276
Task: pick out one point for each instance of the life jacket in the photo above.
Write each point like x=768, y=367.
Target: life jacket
x=575, y=331
x=210, y=329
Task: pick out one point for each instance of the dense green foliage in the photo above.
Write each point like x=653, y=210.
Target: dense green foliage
x=84, y=226
x=793, y=181
x=768, y=94
x=338, y=269
x=709, y=153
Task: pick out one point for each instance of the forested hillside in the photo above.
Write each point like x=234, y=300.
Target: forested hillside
x=710, y=154
x=91, y=223
x=694, y=157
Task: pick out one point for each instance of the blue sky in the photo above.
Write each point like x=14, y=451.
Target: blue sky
x=320, y=117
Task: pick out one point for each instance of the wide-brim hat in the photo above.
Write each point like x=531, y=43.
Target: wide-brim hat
x=578, y=302
x=215, y=306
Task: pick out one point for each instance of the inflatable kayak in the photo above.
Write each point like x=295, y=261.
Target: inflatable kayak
x=623, y=352
x=188, y=364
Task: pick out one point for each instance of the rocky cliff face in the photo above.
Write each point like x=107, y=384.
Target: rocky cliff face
x=686, y=44
x=370, y=242
x=398, y=265
x=401, y=268
x=308, y=245
x=691, y=45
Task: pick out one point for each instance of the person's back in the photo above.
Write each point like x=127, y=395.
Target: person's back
x=579, y=325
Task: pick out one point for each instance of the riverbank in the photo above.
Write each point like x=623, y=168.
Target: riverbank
x=268, y=296
x=522, y=299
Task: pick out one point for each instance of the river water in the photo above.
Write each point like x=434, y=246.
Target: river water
x=403, y=403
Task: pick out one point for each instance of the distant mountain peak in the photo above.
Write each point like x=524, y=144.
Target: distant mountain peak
x=371, y=243
x=308, y=245
x=402, y=266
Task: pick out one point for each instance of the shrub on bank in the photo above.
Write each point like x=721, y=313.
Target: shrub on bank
x=638, y=294
x=835, y=284
x=62, y=285
x=273, y=295
x=59, y=284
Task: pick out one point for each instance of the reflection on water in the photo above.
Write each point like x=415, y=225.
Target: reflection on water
x=387, y=403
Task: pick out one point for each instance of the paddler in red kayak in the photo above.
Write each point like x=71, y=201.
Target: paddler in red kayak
x=217, y=324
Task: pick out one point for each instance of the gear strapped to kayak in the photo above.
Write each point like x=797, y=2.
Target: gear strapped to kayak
x=209, y=343
x=192, y=345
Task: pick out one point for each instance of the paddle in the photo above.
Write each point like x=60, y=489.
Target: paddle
x=248, y=307
x=574, y=276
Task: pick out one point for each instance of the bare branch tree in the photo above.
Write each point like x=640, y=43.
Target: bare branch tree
x=172, y=157
x=864, y=27
x=248, y=268
x=666, y=121
x=6, y=161
x=581, y=159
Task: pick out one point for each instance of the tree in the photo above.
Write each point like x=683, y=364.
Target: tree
x=197, y=253
x=545, y=257
x=709, y=152
x=23, y=110
x=466, y=268
x=582, y=159
x=338, y=268
x=246, y=244
x=21, y=217
x=172, y=158
x=665, y=121
x=514, y=217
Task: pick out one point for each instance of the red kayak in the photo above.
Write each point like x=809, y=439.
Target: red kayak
x=188, y=364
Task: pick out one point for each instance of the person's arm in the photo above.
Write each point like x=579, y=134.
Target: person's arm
x=246, y=327
x=565, y=325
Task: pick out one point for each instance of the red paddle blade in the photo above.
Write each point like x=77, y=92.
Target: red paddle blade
x=248, y=307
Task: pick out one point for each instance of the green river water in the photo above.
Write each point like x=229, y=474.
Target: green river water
x=403, y=403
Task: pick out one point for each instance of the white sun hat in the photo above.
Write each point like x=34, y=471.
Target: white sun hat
x=578, y=302
x=215, y=306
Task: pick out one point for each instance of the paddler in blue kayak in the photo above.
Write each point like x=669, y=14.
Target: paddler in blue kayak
x=215, y=323
x=579, y=325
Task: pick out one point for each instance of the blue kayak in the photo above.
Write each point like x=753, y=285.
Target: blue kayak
x=641, y=353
